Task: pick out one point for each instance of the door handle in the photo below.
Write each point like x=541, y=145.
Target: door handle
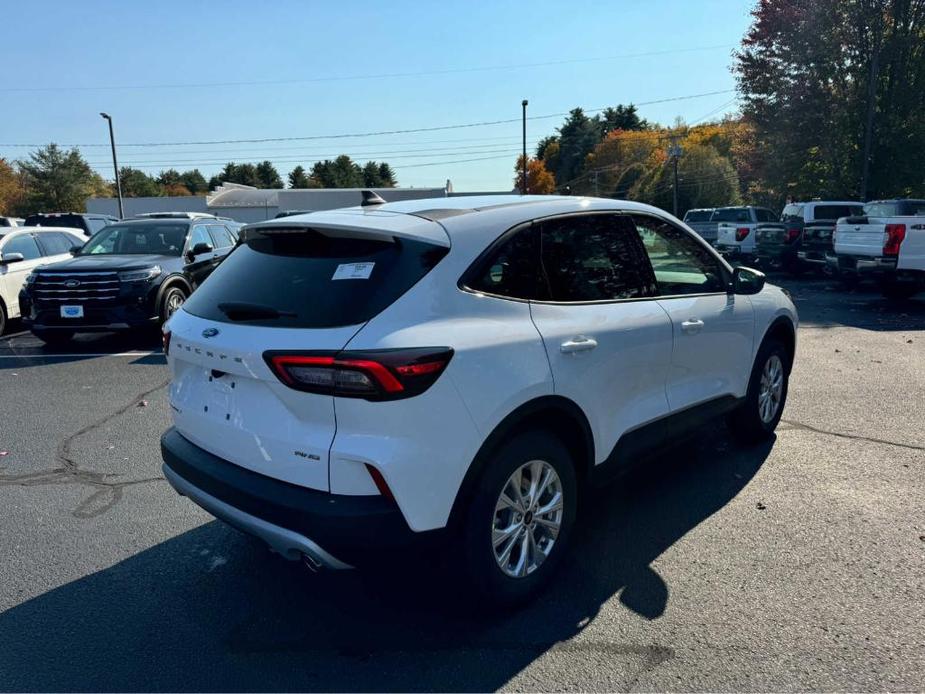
x=579, y=343
x=692, y=327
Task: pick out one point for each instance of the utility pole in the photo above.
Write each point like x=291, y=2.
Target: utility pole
x=115, y=165
x=869, y=124
x=523, y=183
x=674, y=152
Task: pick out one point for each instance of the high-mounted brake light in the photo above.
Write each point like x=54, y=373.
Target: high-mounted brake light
x=895, y=235
x=374, y=375
x=741, y=233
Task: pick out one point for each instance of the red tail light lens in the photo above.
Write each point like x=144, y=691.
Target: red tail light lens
x=374, y=375
x=741, y=233
x=165, y=338
x=793, y=233
x=895, y=235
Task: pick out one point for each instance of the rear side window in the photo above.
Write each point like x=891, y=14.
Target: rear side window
x=55, y=243
x=513, y=270
x=25, y=244
x=311, y=280
x=594, y=258
x=833, y=212
x=221, y=237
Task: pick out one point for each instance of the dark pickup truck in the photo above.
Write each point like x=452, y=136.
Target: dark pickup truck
x=805, y=236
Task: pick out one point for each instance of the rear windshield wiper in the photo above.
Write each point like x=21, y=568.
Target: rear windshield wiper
x=239, y=311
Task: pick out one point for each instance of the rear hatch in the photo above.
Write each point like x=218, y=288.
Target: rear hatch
x=817, y=239
x=301, y=288
x=773, y=239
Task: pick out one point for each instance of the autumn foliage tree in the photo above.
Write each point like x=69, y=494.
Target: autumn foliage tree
x=539, y=180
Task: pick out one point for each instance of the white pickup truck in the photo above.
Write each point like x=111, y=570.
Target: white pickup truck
x=886, y=243
x=736, y=232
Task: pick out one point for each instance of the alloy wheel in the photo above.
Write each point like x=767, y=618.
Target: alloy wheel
x=528, y=518
x=771, y=388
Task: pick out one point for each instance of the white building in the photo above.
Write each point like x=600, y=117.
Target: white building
x=248, y=204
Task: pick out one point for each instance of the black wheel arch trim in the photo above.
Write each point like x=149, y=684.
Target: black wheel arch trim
x=565, y=414
x=169, y=282
x=782, y=327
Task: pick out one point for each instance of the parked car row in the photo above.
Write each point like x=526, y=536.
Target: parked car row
x=130, y=274
x=883, y=240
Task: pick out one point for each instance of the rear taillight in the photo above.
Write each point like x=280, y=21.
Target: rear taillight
x=375, y=375
x=741, y=233
x=793, y=233
x=165, y=338
x=895, y=235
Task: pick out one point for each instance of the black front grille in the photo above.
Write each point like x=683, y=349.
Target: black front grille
x=76, y=287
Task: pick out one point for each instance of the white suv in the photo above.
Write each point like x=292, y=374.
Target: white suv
x=354, y=382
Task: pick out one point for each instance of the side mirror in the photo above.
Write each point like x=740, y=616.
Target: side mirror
x=12, y=258
x=75, y=250
x=198, y=249
x=745, y=280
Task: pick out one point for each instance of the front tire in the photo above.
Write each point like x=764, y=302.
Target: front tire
x=519, y=523
x=171, y=302
x=758, y=416
x=3, y=318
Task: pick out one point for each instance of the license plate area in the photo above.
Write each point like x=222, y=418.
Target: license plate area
x=72, y=311
x=218, y=394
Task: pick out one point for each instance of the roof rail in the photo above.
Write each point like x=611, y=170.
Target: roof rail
x=174, y=215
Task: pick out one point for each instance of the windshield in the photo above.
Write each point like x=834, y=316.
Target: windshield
x=161, y=238
x=792, y=213
x=731, y=214
x=698, y=216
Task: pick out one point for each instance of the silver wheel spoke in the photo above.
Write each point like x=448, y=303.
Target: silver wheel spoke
x=553, y=504
x=499, y=536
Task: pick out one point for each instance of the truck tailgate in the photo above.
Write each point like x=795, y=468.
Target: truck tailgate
x=865, y=239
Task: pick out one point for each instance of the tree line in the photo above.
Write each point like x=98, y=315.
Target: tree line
x=832, y=97
x=57, y=179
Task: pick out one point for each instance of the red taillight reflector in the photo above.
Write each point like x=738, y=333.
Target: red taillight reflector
x=373, y=375
x=380, y=482
x=793, y=233
x=741, y=233
x=895, y=235
x=165, y=339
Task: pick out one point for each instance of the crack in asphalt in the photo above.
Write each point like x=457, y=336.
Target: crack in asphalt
x=854, y=437
x=106, y=492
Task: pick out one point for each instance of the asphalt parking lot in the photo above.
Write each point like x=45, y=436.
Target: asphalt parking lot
x=790, y=566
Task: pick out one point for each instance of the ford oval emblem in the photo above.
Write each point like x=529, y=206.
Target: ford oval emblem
x=72, y=284
x=210, y=332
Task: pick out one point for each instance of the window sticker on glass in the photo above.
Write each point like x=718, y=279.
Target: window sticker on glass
x=353, y=271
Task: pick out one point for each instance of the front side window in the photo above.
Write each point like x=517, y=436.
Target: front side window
x=594, y=258
x=681, y=264
x=220, y=236
x=513, y=270
x=55, y=243
x=25, y=244
x=160, y=238
x=199, y=235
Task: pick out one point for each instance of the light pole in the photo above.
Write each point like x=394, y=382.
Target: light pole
x=523, y=183
x=115, y=164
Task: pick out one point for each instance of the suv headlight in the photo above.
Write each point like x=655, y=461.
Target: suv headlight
x=148, y=273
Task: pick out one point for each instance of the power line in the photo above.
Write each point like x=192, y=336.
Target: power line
x=391, y=75
x=404, y=131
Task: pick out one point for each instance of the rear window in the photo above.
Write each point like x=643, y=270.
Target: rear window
x=72, y=221
x=895, y=208
x=311, y=280
x=698, y=216
x=731, y=214
x=828, y=212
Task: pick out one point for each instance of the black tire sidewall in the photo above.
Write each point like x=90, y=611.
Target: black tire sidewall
x=163, y=317
x=481, y=570
x=3, y=319
x=747, y=423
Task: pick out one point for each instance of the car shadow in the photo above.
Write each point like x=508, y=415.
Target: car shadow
x=24, y=349
x=823, y=302
x=212, y=610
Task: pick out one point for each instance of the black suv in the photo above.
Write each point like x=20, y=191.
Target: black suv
x=89, y=224
x=131, y=274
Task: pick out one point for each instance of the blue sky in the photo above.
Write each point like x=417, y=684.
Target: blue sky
x=75, y=59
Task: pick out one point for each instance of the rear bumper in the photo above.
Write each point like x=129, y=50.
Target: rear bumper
x=814, y=257
x=777, y=253
x=333, y=530
x=861, y=265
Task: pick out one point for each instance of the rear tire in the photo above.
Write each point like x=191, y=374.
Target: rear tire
x=511, y=550
x=3, y=319
x=758, y=416
x=54, y=338
x=899, y=292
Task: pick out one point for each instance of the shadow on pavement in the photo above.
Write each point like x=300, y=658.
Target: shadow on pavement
x=24, y=350
x=212, y=610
